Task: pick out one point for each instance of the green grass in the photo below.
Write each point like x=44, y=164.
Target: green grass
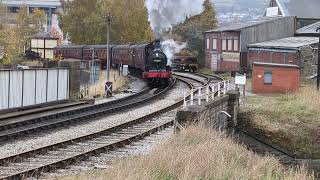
x=291, y=120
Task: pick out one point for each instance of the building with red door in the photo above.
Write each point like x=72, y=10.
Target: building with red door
x=275, y=78
x=226, y=47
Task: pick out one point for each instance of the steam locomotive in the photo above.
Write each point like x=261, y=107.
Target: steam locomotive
x=146, y=60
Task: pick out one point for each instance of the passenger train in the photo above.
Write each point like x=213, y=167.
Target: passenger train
x=148, y=60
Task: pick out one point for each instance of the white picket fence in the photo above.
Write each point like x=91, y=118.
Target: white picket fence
x=207, y=93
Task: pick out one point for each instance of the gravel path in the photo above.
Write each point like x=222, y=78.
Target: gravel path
x=40, y=140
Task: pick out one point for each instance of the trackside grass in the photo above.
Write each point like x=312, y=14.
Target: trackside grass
x=291, y=121
x=197, y=153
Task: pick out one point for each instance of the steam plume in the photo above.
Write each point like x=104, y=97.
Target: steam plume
x=170, y=48
x=165, y=13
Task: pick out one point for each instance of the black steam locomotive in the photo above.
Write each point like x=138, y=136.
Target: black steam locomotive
x=147, y=60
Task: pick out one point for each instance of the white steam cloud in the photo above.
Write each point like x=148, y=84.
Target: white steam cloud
x=165, y=13
x=170, y=48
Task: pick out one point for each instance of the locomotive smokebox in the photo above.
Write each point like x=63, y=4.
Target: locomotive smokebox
x=157, y=44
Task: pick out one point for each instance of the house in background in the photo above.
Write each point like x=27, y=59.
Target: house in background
x=52, y=8
x=44, y=44
x=226, y=47
x=305, y=11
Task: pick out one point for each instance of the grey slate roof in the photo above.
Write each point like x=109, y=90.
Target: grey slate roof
x=43, y=35
x=311, y=29
x=300, y=8
x=276, y=65
x=240, y=26
x=293, y=43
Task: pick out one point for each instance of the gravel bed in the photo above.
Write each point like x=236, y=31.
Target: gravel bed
x=194, y=76
x=63, y=134
x=104, y=160
x=135, y=85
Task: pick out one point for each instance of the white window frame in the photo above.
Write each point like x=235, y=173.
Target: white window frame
x=230, y=43
x=224, y=44
x=208, y=43
x=235, y=45
x=214, y=44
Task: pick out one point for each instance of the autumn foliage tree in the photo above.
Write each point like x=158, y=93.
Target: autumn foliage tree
x=193, y=28
x=16, y=39
x=85, y=23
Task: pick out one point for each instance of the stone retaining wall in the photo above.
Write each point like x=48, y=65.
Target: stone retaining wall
x=211, y=113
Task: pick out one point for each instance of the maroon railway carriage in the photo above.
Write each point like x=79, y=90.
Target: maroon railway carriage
x=147, y=60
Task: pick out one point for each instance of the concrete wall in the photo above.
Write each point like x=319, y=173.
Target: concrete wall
x=210, y=113
x=283, y=79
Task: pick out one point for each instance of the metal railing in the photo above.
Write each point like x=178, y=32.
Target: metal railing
x=208, y=92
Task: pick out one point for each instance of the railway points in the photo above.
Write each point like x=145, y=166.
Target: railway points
x=162, y=122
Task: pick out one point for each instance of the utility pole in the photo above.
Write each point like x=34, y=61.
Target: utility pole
x=318, y=74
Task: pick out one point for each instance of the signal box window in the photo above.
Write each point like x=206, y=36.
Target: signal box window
x=214, y=44
x=224, y=44
x=267, y=77
x=208, y=43
x=236, y=45
x=229, y=44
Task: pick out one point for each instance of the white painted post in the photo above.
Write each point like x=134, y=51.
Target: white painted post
x=184, y=100
x=219, y=89
x=199, y=96
x=224, y=87
x=228, y=86
x=207, y=93
x=191, y=97
x=213, y=91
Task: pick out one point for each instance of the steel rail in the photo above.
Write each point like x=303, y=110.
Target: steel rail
x=78, y=115
x=80, y=156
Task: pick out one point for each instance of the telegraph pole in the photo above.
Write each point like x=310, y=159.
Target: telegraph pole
x=318, y=74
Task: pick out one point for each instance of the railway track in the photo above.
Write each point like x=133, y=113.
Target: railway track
x=14, y=128
x=59, y=155
x=260, y=147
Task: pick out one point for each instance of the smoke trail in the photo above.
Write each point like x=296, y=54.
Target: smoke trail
x=165, y=13
x=170, y=48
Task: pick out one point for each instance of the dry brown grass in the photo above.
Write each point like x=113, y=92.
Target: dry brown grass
x=291, y=120
x=99, y=87
x=197, y=153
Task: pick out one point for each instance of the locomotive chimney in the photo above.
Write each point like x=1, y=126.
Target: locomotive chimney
x=157, y=44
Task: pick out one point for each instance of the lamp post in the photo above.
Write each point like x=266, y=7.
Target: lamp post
x=318, y=73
